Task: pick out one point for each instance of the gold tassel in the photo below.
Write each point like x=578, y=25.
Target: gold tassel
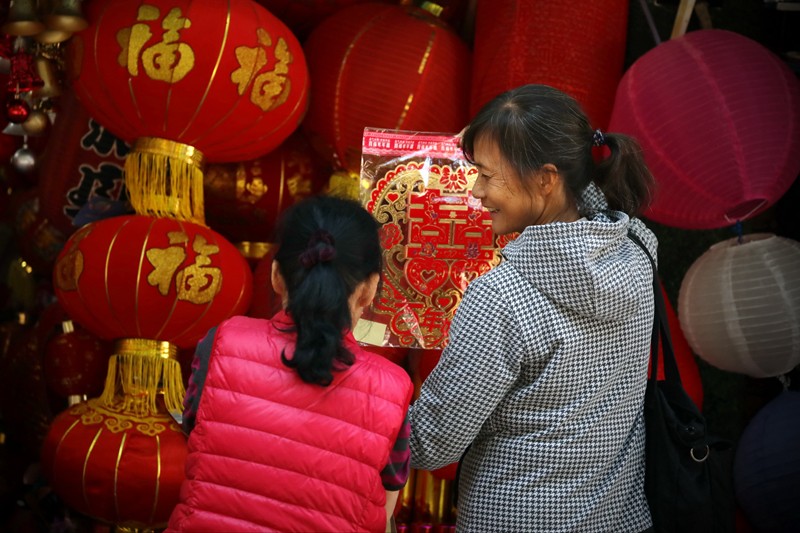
x=165, y=179
x=139, y=371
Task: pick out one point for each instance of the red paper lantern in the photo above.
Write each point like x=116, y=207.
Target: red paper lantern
x=83, y=162
x=302, y=16
x=382, y=66
x=244, y=200
x=718, y=118
x=265, y=303
x=189, y=81
x=114, y=465
x=578, y=47
x=155, y=278
x=75, y=363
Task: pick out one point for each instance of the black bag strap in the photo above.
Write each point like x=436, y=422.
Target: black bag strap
x=660, y=326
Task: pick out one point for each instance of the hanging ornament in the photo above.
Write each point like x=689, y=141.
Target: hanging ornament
x=17, y=111
x=22, y=19
x=66, y=16
x=24, y=159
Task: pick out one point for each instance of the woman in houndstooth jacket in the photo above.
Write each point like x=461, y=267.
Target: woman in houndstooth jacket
x=542, y=383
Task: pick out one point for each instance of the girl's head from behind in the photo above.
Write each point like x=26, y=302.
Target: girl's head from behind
x=539, y=128
x=326, y=268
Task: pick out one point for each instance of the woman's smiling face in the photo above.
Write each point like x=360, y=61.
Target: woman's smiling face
x=512, y=206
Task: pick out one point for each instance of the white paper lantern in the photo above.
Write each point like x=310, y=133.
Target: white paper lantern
x=739, y=305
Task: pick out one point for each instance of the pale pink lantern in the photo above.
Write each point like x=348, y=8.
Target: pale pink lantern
x=718, y=117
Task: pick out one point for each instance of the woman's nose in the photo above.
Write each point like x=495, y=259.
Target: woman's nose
x=477, y=189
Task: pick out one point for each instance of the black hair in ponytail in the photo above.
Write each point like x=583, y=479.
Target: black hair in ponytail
x=326, y=247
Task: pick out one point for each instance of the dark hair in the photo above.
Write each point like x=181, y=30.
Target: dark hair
x=326, y=247
x=535, y=124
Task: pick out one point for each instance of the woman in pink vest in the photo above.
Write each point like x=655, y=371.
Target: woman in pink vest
x=297, y=427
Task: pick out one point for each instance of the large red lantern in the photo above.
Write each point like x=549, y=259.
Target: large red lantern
x=187, y=81
x=578, y=47
x=382, y=66
x=718, y=118
x=244, y=200
x=115, y=465
x=135, y=276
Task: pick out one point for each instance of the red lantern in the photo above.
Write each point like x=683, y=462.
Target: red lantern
x=83, y=162
x=304, y=15
x=75, y=363
x=578, y=47
x=244, y=200
x=382, y=66
x=265, y=303
x=189, y=81
x=718, y=118
x=115, y=465
x=154, y=278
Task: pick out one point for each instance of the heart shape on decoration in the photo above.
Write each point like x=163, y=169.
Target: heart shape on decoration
x=426, y=274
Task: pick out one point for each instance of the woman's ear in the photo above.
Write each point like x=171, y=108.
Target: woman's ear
x=278, y=283
x=369, y=290
x=547, y=178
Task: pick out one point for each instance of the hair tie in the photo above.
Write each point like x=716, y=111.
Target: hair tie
x=320, y=249
x=598, y=139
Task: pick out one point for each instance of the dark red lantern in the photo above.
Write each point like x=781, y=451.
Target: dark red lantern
x=75, y=363
x=134, y=276
x=302, y=16
x=718, y=118
x=265, y=303
x=382, y=66
x=114, y=464
x=186, y=82
x=244, y=200
x=84, y=162
x=578, y=47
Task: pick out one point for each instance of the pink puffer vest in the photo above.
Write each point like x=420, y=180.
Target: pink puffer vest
x=272, y=453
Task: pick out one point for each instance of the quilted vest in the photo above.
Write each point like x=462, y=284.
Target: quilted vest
x=272, y=453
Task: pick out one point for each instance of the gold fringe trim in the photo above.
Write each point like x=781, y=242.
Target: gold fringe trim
x=140, y=371
x=165, y=179
x=344, y=184
x=253, y=249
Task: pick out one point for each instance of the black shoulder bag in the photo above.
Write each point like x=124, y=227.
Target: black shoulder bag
x=688, y=473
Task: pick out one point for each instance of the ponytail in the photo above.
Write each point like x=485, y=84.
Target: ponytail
x=326, y=247
x=624, y=177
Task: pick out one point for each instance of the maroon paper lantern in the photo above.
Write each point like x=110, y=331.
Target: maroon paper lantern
x=382, y=66
x=578, y=47
x=718, y=117
x=75, y=363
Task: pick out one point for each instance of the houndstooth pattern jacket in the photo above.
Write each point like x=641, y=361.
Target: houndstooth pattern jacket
x=544, y=376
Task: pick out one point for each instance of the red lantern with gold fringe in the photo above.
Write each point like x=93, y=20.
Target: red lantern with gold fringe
x=383, y=66
x=187, y=81
x=244, y=200
x=110, y=463
x=578, y=47
x=135, y=276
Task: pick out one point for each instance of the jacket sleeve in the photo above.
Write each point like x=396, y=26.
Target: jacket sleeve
x=475, y=372
x=197, y=378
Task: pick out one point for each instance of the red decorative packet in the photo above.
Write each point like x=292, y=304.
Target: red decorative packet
x=435, y=235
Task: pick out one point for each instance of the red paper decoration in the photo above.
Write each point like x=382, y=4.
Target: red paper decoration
x=382, y=66
x=225, y=77
x=115, y=466
x=684, y=357
x=718, y=117
x=578, y=47
x=244, y=200
x=153, y=278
